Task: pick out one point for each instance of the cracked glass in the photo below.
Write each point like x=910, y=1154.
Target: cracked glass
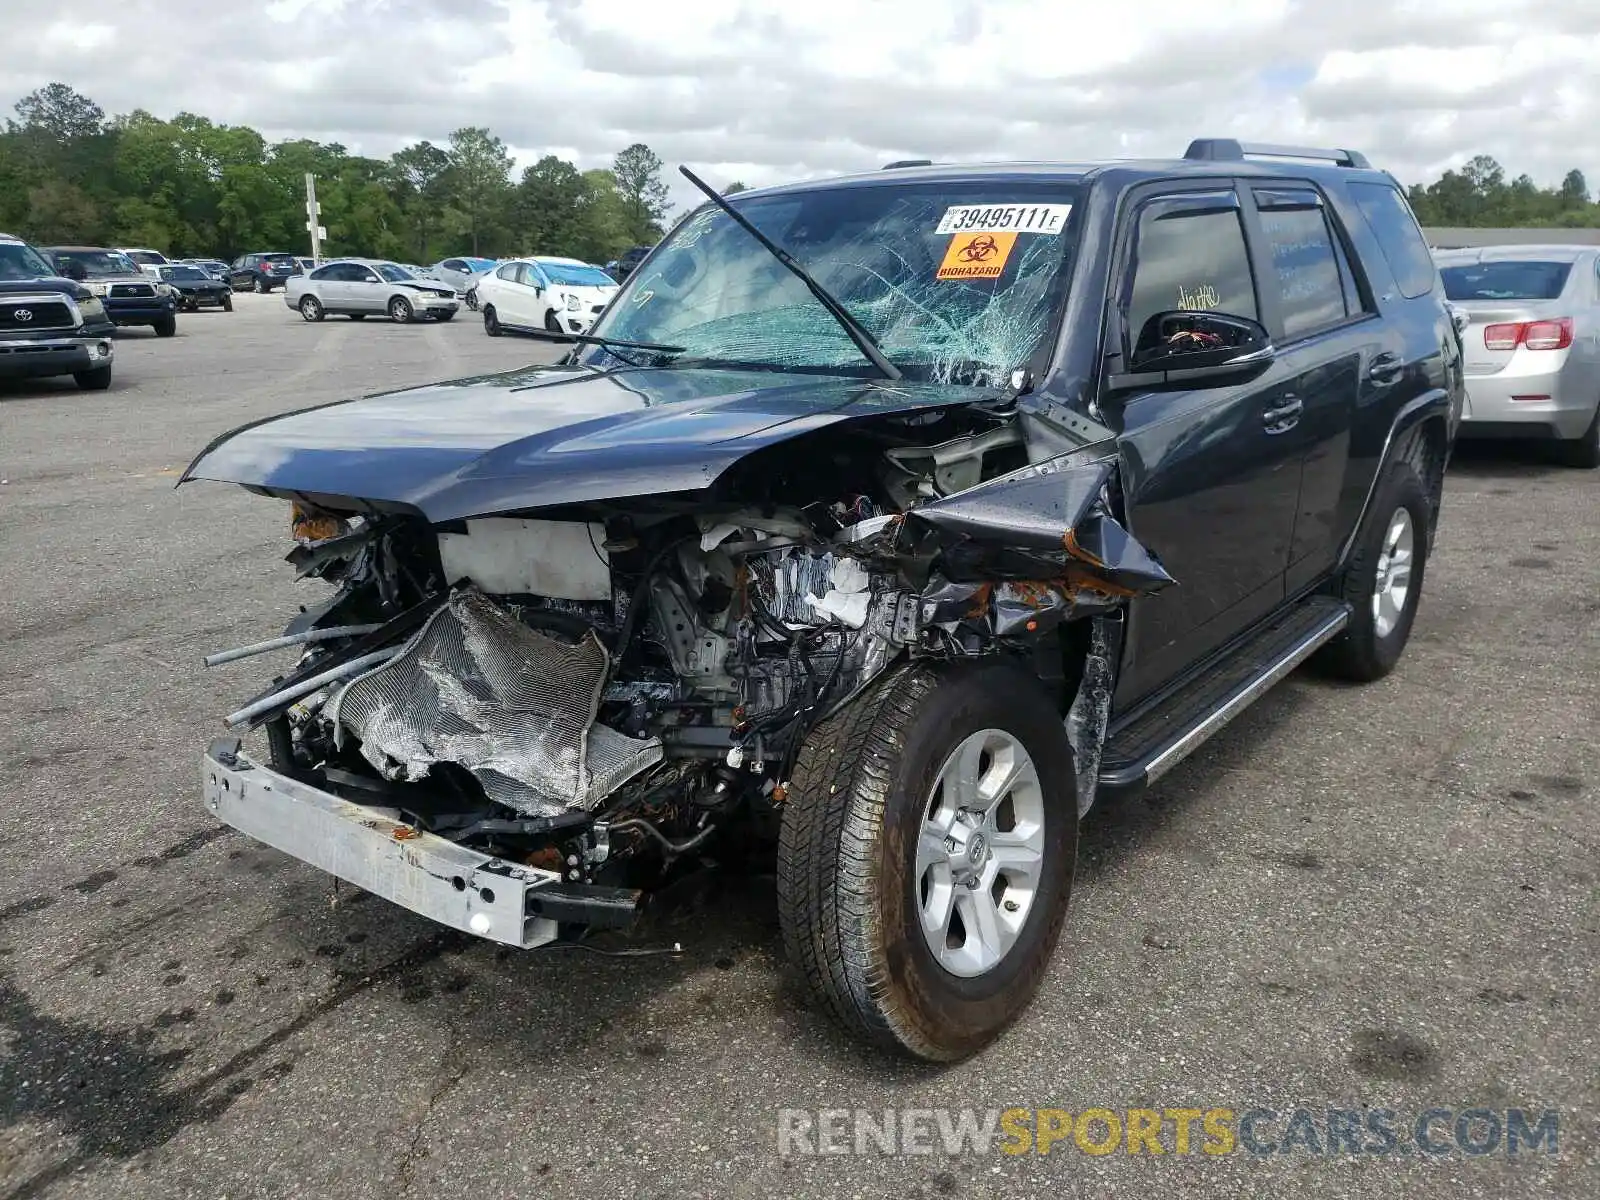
x=956, y=279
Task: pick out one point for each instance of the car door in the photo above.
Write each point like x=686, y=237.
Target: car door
x=239, y=273
x=330, y=286
x=367, y=291
x=500, y=291
x=533, y=300
x=1209, y=481
x=1320, y=320
x=454, y=272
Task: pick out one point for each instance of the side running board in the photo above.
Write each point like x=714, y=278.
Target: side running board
x=1155, y=741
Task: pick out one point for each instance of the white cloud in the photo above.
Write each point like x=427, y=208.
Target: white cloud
x=765, y=90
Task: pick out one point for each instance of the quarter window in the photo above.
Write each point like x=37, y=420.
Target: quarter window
x=1403, y=246
x=1190, y=258
x=508, y=272
x=1305, y=263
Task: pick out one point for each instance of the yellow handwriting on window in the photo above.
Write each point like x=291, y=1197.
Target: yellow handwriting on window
x=1198, y=298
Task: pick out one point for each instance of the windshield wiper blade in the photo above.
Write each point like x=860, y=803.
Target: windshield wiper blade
x=589, y=339
x=864, y=341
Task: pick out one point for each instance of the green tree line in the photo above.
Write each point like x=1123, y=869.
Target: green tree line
x=70, y=174
x=1479, y=195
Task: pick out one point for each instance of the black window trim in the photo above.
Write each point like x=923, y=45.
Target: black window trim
x=1261, y=251
x=1193, y=196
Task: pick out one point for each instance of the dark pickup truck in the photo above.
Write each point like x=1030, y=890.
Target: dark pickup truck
x=881, y=527
x=50, y=325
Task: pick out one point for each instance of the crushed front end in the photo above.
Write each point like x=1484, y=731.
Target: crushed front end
x=522, y=725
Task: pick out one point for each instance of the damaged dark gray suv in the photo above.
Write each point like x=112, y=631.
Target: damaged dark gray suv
x=882, y=525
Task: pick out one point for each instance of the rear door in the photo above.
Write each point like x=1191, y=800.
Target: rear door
x=1321, y=321
x=1210, y=482
x=501, y=291
x=329, y=284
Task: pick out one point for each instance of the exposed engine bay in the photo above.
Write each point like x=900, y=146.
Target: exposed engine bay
x=600, y=690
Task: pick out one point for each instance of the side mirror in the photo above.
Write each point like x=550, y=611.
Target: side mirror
x=1179, y=348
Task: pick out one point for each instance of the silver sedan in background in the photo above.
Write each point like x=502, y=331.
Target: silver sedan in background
x=1532, y=344
x=361, y=287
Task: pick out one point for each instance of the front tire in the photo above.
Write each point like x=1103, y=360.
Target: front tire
x=1383, y=581
x=1583, y=452
x=400, y=311
x=472, y=299
x=311, y=309
x=552, y=322
x=166, y=327
x=926, y=856
x=227, y=301
x=491, y=321
x=96, y=379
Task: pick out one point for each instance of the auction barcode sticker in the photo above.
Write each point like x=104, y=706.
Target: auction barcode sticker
x=1004, y=218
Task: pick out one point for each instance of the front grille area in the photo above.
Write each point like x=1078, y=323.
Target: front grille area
x=130, y=291
x=35, y=314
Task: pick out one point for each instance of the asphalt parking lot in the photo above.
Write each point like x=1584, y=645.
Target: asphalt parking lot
x=1354, y=898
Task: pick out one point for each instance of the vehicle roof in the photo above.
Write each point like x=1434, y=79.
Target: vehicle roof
x=95, y=249
x=1548, y=252
x=1077, y=171
x=565, y=262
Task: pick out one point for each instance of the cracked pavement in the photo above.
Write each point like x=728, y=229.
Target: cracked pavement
x=1377, y=896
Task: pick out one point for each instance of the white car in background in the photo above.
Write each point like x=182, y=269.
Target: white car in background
x=361, y=287
x=148, y=261
x=559, y=295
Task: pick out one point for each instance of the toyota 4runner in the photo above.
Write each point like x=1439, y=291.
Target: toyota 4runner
x=882, y=526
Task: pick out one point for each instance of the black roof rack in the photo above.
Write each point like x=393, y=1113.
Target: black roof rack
x=908, y=162
x=1224, y=149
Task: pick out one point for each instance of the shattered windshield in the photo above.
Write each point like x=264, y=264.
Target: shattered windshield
x=956, y=279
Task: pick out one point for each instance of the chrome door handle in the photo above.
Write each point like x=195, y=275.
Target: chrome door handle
x=1385, y=368
x=1283, y=417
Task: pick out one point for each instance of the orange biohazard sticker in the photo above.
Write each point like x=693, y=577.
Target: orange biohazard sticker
x=976, y=256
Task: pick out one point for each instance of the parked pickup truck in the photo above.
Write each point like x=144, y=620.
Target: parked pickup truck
x=882, y=525
x=50, y=325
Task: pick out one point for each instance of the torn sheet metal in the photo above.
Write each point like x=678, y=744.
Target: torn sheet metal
x=1090, y=714
x=478, y=688
x=1048, y=521
x=1012, y=608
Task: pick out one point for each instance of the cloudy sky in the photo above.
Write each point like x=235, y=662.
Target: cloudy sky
x=767, y=90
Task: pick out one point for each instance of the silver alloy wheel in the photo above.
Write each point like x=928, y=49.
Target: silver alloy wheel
x=310, y=308
x=399, y=310
x=1393, y=585
x=980, y=853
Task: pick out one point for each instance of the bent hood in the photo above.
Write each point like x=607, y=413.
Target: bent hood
x=545, y=436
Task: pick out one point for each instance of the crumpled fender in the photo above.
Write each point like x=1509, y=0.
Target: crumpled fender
x=1021, y=553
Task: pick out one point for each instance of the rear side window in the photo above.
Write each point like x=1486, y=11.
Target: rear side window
x=1305, y=262
x=1190, y=258
x=509, y=272
x=1505, y=280
x=1398, y=237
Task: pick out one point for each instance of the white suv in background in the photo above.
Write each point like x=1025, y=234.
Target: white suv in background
x=559, y=295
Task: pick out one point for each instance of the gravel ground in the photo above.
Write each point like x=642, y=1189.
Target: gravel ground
x=1354, y=898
